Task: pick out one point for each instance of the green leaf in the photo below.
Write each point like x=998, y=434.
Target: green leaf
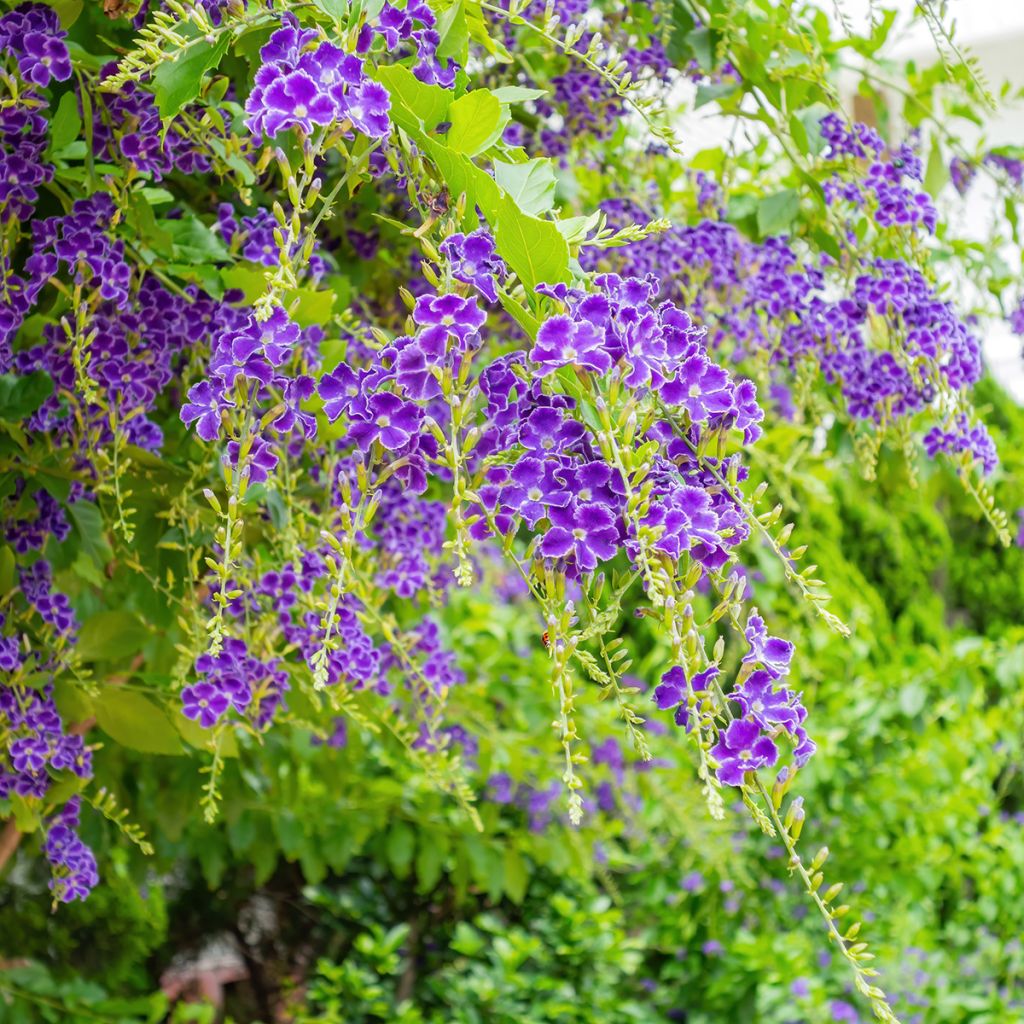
x=178, y=81
x=92, y=532
x=196, y=736
x=8, y=572
x=516, y=875
x=429, y=864
x=136, y=722
x=454, y=32
x=936, y=175
x=336, y=10
x=26, y=817
x=193, y=242
x=20, y=396
x=712, y=93
x=67, y=10
x=72, y=702
x=66, y=124
x=533, y=248
x=401, y=843
x=312, y=307
x=517, y=93
x=414, y=105
x=112, y=634
x=776, y=213
x=531, y=185
x=476, y=122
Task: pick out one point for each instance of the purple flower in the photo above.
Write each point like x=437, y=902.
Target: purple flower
x=205, y=405
x=204, y=703
x=548, y=430
x=240, y=354
x=287, y=100
x=339, y=389
x=533, y=489
x=389, y=419
x=773, y=653
x=565, y=342
x=44, y=57
x=413, y=369
x=587, y=532
x=367, y=109
x=843, y=1012
x=742, y=748
x=692, y=882
x=461, y=318
x=764, y=705
x=701, y=387
x=473, y=261
x=672, y=691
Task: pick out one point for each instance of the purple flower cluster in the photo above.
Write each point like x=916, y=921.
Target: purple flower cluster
x=1011, y=166
x=31, y=35
x=768, y=708
x=245, y=375
x=763, y=297
x=53, y=607
x=37, y=750
x=253, y=238
x=963, y=436
x=71, y=861
x=127, y=125
x=894, y=204
x=36, y=740
x=962, y=173
x=302, y=85
x=31, y=40
x=473, y=260
x=415, y=25
x=33, y=49
x=31, y=534
x=551, y=477
x=139, y=336
x=235, y=679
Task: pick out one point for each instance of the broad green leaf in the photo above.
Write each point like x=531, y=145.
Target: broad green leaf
x=415, y=106
x=531, y=185
x=454, y=32
x=681, y=43
x=936, y=175
x=401, y=843
x=20, y=396
x=135, y=721
x=311, y=307
x=336, y=10
x=193, y=242
x=533, y=248
x=202, y=739
x=26, y=817
x=67, y=10
x=111, y=634
x=476, y=122
x=92, y=531
x=712, y=93
x=66, y=124
x=517, y=876
x=575, y=229
x=517, y=93
x=8, y=572
x=72, y=702
x=776, y=213
x=429, y=864
x=178, y=81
